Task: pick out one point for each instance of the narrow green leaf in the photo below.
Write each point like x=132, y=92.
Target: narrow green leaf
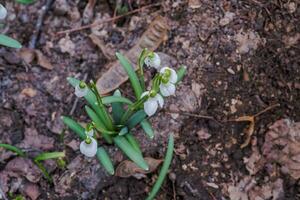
x=126, y=147
x=44, y=171
x=74, y=126
x=131, y=74
x=134, y=143
x=49, y=155
x=117, y=108
x=164, y=170
x=180, y=73
x=14, y=149
x=147, y=128
x=105, y=160
x=9, y=42
x=115, y=99
x=136, y=118
x=26, y=1
x=99, y=124
x=91, y=99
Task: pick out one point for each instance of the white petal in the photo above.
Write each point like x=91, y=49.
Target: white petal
x=156, y=61
x=144, y=94
x=162, y=70
x=90, y=133
x=173, y=77
x=167, y=89
x=160, y=100
x=89, y=150
x=147, y=61
x=80, y=92
x=3, y=12
x=150, y=106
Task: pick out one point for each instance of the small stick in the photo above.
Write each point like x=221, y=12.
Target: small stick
x=39, y=23
x=76, y=100
x=106, y=20
x=266, y=109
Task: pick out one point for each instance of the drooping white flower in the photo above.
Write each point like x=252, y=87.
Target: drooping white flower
x=153, y=60
x=81, y=89
x=89, y=132
x=152, y=103
x=88, y=147
x=169, y=79
x=3, y=12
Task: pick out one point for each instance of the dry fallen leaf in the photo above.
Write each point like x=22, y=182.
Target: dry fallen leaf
x=247, y=41
x=128, y=168
x=42, y=60
x=66, y=45
x=249, y=131
x=282, y=146
x=89, y=11
x=27, y=55
x=30, y=92
x=107, y=52
x=156, y=33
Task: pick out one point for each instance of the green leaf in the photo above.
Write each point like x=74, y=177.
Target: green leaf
x=49, y=155
x=147, y=128
x=131, y=139
x=164, y=170
x=14, y=149
x=131, y=74
x=74, y=126
x=91, y=99
x=44, y=171
x=104, y=159
x=136, y=118
x=115, y=99
x=126, y=147
x=123, y=131
x=117, y=108
x=180, y=73
x=99, y=124
x=26, y=1
x=9, y=42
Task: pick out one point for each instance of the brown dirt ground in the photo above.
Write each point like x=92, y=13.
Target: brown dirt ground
x=236, y=67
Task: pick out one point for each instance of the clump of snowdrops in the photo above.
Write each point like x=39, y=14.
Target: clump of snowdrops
x=115, y=127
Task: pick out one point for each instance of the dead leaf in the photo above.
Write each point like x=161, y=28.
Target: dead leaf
x=156, y=33
x=27, y=55
x=194, y=4
x=30, y=92
x=66, y=45
x=228, y=17
x=107, y=52
x=203, y=134
x=32, y=191
x=247, y=41
x=282, y=146
x=42, y=60
x=291, y=40
x=89, y=11
x=248, y=131
x=128, y=168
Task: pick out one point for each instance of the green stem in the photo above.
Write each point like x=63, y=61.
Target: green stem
x=108, y=119
x=132, y=108
x=164, y=170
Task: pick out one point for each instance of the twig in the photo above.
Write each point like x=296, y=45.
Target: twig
x=39, y=23
x=76, y=100
x=193, y=115
x=266, y=109
x=106, y=20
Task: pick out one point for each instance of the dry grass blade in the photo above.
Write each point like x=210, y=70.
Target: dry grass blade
x=156, y=33
x=128, y=168
x=248, y=131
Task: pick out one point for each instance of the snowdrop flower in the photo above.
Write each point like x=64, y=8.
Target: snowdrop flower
x=151, y=105
x=3, y=12
x=169, y=79
x=88, y=147
x=153, y=60
x=81, y=89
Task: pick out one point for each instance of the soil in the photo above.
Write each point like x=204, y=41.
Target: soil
x=241, y=57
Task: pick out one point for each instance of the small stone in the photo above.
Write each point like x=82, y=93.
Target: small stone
x=230, y=71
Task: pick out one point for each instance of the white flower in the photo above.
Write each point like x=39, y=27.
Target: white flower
x=88, y=147
x=81, y=89
x=167, y=86
x=3, y=12
x=151, y=105
x=153, y=61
